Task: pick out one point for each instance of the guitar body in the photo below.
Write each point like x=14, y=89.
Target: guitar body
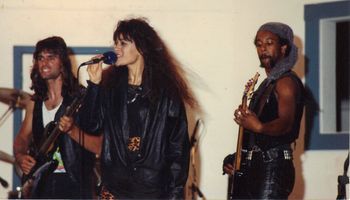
x=30, y=186
x=44, y=165
x=235, y=186
x=49, y=129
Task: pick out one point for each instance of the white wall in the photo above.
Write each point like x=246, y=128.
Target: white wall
x=214, y=42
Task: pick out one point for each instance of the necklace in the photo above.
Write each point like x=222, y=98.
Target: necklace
x=133, y=93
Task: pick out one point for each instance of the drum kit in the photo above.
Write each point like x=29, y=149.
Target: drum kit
x=15, y=99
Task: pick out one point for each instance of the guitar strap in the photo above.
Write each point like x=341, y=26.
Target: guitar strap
x=262, y=101
x=264, y=98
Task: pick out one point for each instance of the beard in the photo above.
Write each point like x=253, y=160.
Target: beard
x=50, y=76
x=267, y=61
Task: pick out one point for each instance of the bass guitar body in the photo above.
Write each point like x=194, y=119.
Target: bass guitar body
x=45, y=165
x=235, y=191
x=30, y=186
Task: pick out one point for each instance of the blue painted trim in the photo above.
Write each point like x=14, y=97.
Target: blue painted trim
x=326, y=10
x=18, y=52
x=313, y=14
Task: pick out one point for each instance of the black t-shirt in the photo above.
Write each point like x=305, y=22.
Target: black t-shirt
x=136, y=115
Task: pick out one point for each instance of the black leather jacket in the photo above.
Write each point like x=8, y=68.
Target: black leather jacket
x=161, y=168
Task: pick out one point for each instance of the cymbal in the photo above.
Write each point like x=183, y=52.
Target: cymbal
x=7, y=157
x=14, y=97
x=10, y=159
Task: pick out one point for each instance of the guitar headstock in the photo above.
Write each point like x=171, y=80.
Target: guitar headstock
x=249, y=87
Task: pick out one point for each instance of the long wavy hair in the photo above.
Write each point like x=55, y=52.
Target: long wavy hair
x=161, y=70
x=55, y=45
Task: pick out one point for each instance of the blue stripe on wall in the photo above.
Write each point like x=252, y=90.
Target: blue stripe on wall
x=313, y=14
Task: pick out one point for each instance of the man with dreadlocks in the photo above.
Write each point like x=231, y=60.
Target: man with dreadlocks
x=54, y=89
x=140, y=110
x=272, y=121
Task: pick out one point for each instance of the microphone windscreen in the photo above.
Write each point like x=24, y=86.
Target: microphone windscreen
x=109, y=57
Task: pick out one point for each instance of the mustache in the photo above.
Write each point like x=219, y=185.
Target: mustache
x=271, y=63
x=264, y=56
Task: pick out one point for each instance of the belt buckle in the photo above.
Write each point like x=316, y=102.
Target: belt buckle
x=266, y=156
x=255, y=149
x=287, y=155
x=249, y=155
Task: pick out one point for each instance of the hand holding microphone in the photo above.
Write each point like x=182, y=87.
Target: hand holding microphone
x=108, y=58
x=95, y=65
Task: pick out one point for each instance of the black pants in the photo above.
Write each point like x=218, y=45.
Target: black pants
x=266, y=178
x=61, y=186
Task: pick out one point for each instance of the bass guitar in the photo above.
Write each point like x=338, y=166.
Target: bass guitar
x=45, y=164
x=233, y=186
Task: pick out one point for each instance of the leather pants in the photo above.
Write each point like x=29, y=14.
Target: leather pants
x=266, y=178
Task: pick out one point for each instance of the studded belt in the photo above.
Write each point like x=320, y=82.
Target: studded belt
x=269, y=155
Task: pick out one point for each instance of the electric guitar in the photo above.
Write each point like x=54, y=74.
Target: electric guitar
x=233, y=186
x=45, y=164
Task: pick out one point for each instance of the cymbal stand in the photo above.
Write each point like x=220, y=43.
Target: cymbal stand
x=7, y=113
x=194, y=186
x=10, y=109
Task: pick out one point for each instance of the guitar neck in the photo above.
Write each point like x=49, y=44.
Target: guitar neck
x=232, y=191
x=45, y=147
x=238, y=158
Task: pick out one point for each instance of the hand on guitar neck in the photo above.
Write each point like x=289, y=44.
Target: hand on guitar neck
x=66, y=124
x=247, y=119
x=90, y=142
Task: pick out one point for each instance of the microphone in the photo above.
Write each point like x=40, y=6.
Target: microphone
x=108, y=58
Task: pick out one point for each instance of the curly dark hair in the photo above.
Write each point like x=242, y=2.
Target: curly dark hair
x=161, y=70
x=55, y=45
